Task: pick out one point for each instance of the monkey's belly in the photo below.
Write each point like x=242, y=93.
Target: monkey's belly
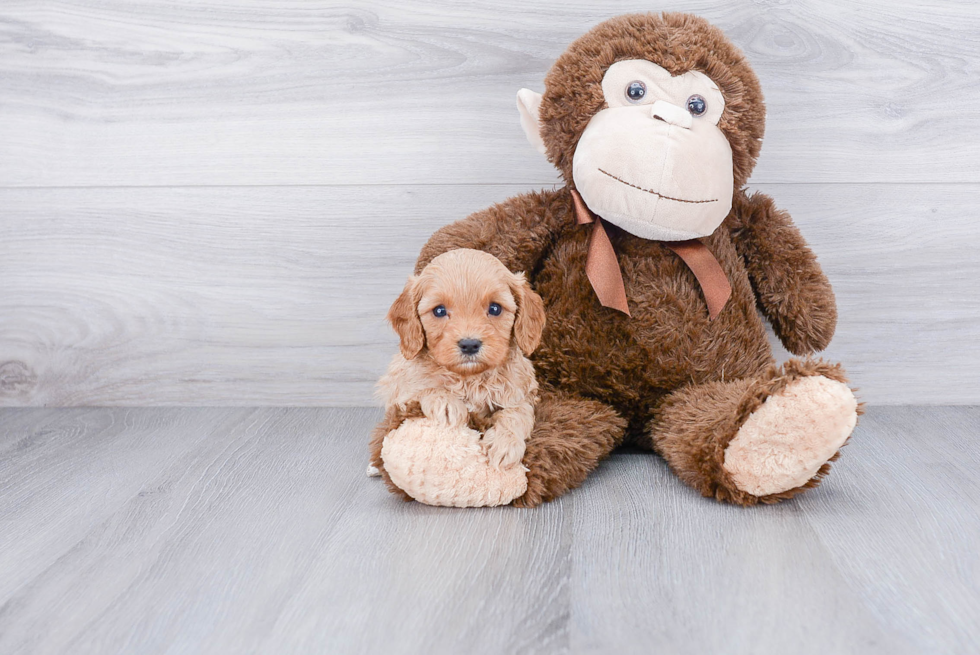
x=668, y=342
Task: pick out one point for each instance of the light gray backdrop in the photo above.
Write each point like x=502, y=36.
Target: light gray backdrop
x=214, y=203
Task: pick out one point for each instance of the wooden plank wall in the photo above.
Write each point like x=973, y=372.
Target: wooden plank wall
x=214, y=203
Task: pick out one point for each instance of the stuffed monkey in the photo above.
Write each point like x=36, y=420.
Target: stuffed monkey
x=652, y=261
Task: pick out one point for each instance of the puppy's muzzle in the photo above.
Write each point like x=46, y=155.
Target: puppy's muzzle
x=469, y=346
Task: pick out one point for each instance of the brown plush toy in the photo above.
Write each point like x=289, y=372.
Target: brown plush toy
x=651, y=262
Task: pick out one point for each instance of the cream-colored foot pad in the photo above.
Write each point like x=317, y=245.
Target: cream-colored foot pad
x=440, y=465
x=785, y=442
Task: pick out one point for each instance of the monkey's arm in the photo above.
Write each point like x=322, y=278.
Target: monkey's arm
x=517, y=231
x=792, y=290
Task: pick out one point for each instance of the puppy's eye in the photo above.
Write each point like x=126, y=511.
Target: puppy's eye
x=494, y=309
x=440, y=311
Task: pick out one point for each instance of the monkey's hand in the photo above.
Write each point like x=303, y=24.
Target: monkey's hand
x=444, y=408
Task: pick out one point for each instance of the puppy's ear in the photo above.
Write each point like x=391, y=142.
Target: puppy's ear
x=529, y=321
x=404, y=317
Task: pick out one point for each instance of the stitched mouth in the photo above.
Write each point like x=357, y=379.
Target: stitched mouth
x=660, y=195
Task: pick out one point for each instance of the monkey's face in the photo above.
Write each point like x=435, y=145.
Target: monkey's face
x=654, y=161
x=655, y=119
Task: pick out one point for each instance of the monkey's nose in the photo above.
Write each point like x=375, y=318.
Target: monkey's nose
x=469, y=346
x=671, y=113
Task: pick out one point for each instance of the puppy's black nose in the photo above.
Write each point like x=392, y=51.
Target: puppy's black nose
x=469, y=346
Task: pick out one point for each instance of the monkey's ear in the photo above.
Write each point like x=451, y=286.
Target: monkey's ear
x=529, y=104
x=404, y=317
x=530, y=318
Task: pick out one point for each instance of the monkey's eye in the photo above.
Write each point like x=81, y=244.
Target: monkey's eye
x=494, y=309
x=696, y=105
x=439, y=312
x=635, y=91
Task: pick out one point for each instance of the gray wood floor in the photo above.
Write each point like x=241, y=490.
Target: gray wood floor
x=255, y=530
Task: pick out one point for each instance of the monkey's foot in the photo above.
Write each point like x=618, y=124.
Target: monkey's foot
x=783, y=443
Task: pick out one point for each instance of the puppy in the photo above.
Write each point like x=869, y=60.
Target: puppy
x=465, y=325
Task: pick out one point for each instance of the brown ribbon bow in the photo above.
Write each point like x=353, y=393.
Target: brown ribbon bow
x=602, y=266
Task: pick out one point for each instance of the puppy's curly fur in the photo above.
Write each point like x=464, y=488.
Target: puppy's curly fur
x=462, y=297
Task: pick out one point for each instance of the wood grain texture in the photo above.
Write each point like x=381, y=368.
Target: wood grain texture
x=206, y=203
x=236, y=296
x=244, y=530
x=260, y=92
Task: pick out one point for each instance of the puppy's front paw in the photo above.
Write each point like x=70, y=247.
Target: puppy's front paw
x=504, y=449
x=445, y=409
x=456, y=413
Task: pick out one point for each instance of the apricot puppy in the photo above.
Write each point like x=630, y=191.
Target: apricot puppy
x=466, y=324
